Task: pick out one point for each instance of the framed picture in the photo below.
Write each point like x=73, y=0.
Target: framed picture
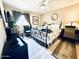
x=35, y=20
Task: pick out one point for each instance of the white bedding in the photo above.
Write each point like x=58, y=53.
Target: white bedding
x=55, y=32
x=51, y=36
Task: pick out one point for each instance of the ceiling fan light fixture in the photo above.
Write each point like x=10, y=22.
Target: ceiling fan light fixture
x=43, y=6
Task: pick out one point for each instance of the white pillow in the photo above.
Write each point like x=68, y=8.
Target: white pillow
x=56, y=26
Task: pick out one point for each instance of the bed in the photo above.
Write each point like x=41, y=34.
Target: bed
x=46, y=34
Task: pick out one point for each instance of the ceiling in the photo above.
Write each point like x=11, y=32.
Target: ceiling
x=34, y=5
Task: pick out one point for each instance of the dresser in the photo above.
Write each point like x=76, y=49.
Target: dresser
x=70, y=32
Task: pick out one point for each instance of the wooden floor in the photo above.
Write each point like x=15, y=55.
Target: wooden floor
x=65, y=49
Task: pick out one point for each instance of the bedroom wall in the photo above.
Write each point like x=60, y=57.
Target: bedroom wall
x=66, y=15
x=9, y=8
x=2, y=31
x=2, y=36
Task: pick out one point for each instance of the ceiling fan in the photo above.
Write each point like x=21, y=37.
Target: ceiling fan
x=43, y=4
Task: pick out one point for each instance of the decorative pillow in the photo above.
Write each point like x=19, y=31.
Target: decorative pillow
x=53, y=27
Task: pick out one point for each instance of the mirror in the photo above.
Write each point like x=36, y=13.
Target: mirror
x=54, y=16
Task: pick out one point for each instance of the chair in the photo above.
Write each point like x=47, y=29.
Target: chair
x=27, y=30
x=69, y=32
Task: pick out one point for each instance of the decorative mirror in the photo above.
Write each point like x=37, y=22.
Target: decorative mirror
x=54, y=16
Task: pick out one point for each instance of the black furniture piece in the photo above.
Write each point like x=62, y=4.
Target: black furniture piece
x=37, y=35
x=40, y=36
x=8, y=33
x=27, y=30
x=12, y=50
x=46, y=30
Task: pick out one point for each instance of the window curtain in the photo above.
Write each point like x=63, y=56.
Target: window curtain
x=9, y=19
x=27, y=16
x=16, y=15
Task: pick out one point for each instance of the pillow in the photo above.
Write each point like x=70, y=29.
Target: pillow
x=56, y=26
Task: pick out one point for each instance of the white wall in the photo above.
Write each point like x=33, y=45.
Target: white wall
x=9, y=8
x=2, y=36
x=2, y=30
x=2, y=11
x=66, y=15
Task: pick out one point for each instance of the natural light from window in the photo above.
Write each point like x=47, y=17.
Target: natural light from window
x=22, y=21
